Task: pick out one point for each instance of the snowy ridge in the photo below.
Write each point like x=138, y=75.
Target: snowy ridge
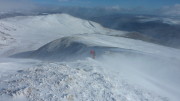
x=53, y=82
x=77, y=47
x=123, y=69
x=28, y=30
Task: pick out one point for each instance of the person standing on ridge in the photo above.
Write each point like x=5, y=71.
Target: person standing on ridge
x=92, y=52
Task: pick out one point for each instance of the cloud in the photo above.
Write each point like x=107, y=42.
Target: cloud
x=171, y=10
x=116, y=8
x=15, y=5
x=119, y=9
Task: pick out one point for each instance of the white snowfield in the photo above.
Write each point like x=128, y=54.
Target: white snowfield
x=31, y=32
x=59, y=82
x=57, y=64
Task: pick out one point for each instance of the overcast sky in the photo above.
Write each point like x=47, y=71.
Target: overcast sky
x=165, y=6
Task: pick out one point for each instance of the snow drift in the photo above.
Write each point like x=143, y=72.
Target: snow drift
x=75, y=47
x=60, y=82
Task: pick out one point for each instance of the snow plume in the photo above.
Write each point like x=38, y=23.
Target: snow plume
x=16, y=5
x=154, y=73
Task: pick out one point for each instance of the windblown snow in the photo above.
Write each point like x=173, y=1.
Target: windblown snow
x=54, y=62
x=69, y=84
x=31, y=32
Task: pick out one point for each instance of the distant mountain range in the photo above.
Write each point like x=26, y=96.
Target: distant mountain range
x=164, y=32
x=158, y=29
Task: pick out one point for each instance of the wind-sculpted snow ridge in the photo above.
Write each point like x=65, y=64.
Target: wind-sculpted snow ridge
x=75, y=47
x=59, y=82
x=69, y=48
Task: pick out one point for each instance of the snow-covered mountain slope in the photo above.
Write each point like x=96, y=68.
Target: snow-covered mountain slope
x=123, y=70
x=164, y=30
x=81, y=45
x=31, y=32
x=5, y=40
x=75, y=47
x=139, y=62
x=52, y=81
